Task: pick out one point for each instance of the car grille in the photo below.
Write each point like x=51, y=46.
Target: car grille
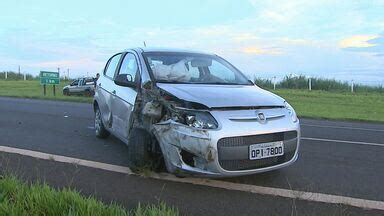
x=236, y=143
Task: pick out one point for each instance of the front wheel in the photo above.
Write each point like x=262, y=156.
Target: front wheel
x=138, y=149
x=100, y=130
x=66, y=92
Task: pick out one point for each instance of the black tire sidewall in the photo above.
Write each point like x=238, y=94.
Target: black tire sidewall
x=102, y=133
x=66, y=92
x=138, y=144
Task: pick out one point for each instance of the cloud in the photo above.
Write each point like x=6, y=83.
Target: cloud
x=366, y=44
x=253, y=50
x=357, y=41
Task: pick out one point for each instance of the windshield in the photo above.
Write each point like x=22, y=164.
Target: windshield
x=169, y=67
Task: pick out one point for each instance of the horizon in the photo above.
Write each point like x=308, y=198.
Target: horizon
x=339, y=40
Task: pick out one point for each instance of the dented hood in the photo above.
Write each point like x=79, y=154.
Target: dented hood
x=223, y=95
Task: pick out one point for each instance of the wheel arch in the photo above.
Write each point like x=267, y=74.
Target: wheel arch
x=95, y=105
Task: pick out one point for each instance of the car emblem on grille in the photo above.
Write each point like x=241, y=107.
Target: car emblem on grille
x=261, y=118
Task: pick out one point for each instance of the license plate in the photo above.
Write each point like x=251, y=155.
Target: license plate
x=266, y=150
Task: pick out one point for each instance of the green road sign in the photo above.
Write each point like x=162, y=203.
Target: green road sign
x=49, y=78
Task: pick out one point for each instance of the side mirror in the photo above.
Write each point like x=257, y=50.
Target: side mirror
x=125, y=80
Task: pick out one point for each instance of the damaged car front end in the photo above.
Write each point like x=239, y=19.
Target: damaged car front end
x=215, y=141
x=204, y=117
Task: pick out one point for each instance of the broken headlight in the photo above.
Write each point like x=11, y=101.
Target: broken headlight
x=291, y=112
x=198, y=119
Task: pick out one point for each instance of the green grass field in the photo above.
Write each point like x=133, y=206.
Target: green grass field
x=17, y=198
x=332, y=105
x=33, y=89
x=363, y=106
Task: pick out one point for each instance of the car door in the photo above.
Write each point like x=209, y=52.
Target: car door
x=123, y=102
x=79, y=87
x=73, y=86
x=105, y=91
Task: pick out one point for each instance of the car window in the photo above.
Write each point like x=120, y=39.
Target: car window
x=219, y=70
x=193, y=68
x=129, y=66
x=75, y=83
x=112, y=65
x=89, y=80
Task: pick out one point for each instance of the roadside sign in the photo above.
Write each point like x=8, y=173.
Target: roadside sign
x=49, y=78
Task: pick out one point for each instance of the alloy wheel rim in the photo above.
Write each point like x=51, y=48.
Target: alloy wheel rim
x=97, y=121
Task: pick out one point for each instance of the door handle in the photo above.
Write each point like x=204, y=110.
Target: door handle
x=114, y=92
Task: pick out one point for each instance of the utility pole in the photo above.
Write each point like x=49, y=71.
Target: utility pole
x=145, y=45
x=6, y=74
x=25, y=75
x=274, y=83
x=352, y=86
x=19, y=70
x=310, y=84
x=68, y=74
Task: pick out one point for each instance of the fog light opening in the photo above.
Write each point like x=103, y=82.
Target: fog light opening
x=188, y=158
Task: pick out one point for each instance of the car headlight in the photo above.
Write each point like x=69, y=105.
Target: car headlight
x=197, y=119
x=291, y=112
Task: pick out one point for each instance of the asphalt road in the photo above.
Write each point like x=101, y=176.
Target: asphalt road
x=336, y=157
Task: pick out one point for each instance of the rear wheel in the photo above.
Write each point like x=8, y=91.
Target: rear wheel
x=100, y=130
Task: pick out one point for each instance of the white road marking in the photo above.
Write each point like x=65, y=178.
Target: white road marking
x=286, y=193
x=293, y=194
x=64, y=159
x=342, y=141
x=342, y=127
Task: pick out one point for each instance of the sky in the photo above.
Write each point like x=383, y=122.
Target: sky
x=341, y=39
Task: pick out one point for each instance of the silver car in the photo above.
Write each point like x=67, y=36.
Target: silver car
x=81, y=86
x=193, y=112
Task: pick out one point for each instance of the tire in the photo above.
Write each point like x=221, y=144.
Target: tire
x=139, y=143
x=88, y=93
x=66, y=92
x=100, y=130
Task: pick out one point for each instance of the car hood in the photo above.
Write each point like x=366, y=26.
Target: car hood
x=223, y=95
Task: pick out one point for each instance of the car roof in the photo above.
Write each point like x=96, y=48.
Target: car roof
x=165, y=49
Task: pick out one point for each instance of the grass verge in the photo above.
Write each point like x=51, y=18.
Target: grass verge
x=366, y=106
x=33, y=89
x=17, y=198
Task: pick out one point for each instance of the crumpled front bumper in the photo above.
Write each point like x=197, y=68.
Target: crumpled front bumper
x=193, y=151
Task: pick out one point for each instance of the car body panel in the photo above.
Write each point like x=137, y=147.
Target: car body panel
x=116, y=104
x=218, y=95
x=122, y=107
x=104, y=96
